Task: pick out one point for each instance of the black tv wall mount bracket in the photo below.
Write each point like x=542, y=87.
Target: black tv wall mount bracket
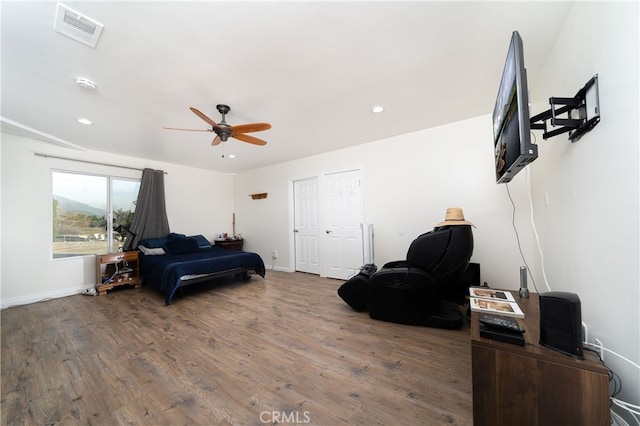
x=583, y=113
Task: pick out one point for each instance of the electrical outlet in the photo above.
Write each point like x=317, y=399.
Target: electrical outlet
x=274, y=254
x=600, y=350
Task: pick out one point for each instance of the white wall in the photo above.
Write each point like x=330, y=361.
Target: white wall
x=408, y=183
x=589, y=230
x=198, y=202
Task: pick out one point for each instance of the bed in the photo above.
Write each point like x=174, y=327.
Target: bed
x=175, y=261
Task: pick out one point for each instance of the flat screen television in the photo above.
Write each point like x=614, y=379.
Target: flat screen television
x=511, y=128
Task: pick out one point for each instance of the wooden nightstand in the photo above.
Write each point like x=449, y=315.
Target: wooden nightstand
x=116, y=269
x=230, y=244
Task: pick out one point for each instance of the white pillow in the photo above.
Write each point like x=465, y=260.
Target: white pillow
x=151, y=251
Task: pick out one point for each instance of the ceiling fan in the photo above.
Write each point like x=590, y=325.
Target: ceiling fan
x=224, y=131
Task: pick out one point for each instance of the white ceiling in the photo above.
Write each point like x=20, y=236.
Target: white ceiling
x=311, y=69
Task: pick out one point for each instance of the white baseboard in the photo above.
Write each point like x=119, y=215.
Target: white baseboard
x=40, y=297
x=277, y=268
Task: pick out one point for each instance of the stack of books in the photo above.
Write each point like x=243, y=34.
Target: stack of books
x=496, y=302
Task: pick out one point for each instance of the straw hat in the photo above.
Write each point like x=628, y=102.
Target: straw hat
x=454, y=216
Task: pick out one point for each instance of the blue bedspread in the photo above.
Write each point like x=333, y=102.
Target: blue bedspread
x=164, y=272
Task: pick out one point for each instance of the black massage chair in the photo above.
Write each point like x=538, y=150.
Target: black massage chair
x=425, y=289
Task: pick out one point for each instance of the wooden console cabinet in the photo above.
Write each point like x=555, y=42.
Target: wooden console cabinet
x=534, y=385
x=113, y=270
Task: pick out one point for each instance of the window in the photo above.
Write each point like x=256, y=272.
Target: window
x=87, y=209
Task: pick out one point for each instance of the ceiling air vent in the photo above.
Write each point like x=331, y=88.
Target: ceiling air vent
x=77, y=26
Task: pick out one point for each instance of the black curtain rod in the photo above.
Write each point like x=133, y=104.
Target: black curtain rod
x=91, y=162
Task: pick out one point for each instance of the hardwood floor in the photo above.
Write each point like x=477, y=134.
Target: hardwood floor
x=285, y=349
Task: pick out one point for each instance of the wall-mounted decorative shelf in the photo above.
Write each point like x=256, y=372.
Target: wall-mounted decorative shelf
x=258, y=196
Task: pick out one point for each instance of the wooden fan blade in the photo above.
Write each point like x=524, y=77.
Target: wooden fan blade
x=246, y=138
x=188, y=130
x=204, y=117
x=248, y=128
x=216, y=141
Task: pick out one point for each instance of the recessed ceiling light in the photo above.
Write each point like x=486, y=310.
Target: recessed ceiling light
x=85, y=83
x=83, y=120
x=377, y=109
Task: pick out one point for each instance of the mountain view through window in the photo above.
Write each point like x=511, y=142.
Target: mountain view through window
x=87, y=209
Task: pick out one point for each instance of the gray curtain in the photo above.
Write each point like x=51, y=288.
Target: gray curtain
x=150, y=218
